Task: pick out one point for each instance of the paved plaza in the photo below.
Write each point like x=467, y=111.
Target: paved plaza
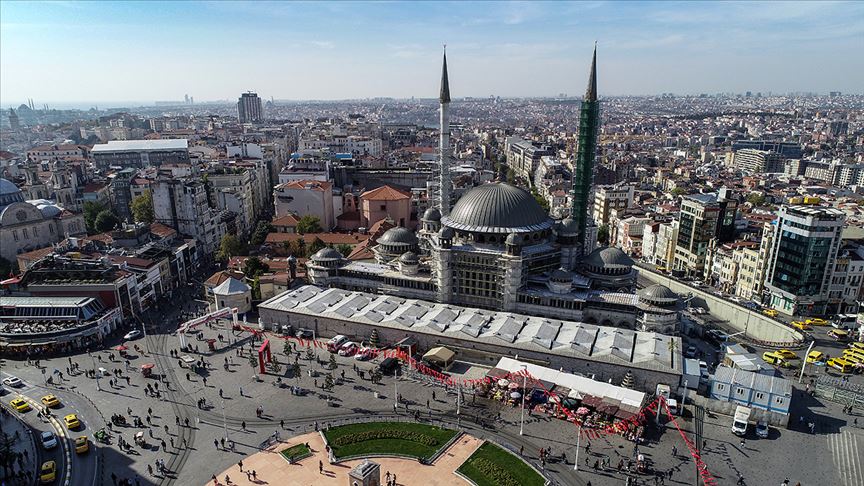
x=188, y=439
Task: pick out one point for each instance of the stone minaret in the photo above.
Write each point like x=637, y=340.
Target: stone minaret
x=444, y=143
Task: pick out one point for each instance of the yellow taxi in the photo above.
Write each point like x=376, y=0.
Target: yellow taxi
x=20, y=405
x=840, y=364
x=816, y=322
x=853, y=352
x=853, y=358
x=801, y=325
x=82, y=445
x=839, y=334
x=815, y=356
x=770, y=312
x=72, y=421
x=50, y=401
x=773, y=358
x=48, y=472
x=786, y=354
x=857, y=345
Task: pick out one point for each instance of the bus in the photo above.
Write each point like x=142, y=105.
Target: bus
x=845, y=321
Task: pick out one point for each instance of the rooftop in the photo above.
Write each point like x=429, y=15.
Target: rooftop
x=635, y=349
x=140, y=145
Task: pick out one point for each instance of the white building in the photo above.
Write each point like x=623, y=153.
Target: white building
x=182, y=205
x=608, y=198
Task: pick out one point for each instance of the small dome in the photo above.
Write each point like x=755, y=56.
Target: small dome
x=50, y=210
x=398, y=236
x=514, y=239
x=562, y=276
x=568, y=227
x=7, y=187
x=446, y=233
x=608, y=257
x=432, y=214
x=410, y=258
x=326, y=255
x=658, y=293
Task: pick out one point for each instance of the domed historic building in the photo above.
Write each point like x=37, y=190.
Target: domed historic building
x=498, y=249
x=30, y=225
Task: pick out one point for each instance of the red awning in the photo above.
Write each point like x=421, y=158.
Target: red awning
x=148, y=366
x=120, y=348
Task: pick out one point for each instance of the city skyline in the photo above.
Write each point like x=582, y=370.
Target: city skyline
x=365, y=50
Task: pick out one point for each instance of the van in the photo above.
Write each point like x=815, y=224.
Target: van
x=857, y=353
x=853, y=358
x=773, y=358
x=739, y=422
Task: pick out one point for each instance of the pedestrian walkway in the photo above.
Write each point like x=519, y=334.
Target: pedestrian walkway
x=24, y=447
x=846, y=454
x=270, y=467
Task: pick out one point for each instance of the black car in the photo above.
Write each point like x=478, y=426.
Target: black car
x=305, y=333
x=389, y=365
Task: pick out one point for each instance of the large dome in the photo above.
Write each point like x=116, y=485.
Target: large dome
x=498, y=208
x=9, y=193
x=609, y=257
x=658, y=294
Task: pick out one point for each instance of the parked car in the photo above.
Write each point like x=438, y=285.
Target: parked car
x=801, y=325
x=133, y=334
x=839, y=334
x=840, y=364
x=49, y=440
x=815, y=356
x=762, y=429
x=305, y=333
x=771, y=313
x=786, y=354
x=691, y=352
x=348, y=349
x=364, y=353
x=816, y=321
x=336, y=342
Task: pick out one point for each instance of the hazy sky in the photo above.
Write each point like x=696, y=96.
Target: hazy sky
x=126, y=51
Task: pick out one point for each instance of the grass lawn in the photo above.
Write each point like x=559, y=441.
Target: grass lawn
x=502, y=461
x=424, y=442
x=295, y=451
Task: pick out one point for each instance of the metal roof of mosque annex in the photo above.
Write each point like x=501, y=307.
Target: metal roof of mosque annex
x=498, y=208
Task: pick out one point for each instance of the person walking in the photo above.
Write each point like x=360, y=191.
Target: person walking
x=320, y=467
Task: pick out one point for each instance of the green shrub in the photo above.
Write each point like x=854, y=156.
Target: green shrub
x=493, y=472
x=384, y=434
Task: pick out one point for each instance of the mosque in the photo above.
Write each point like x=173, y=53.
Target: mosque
x=32, y=224
x=498, y=249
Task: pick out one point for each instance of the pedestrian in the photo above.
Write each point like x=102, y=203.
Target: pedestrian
x=674, y=451
x=320, y=467
x=171, y=441
x=216, y=444
x=227, y=479
x=282, y=424
x=220, y=393
x=150, y=471
x=163, y=444
x=166, y=429
x=177, y=421
x=254, y=475
x=222, y=441
x=241, y=391
x=186, y=421
x=240, y=464
x=243, y=425
x=742, y=442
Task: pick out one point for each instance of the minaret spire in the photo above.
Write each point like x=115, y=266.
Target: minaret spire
x=591, y=92
x=444, y=97
x=444, y=181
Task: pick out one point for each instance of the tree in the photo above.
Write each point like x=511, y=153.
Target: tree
x=286, y=348
x=511, y=176
x=679, y=191
x=308, y=224
x=6, y=267
x=105, y=221
x=261, y=232
x=540, y=200
x=91, y=210
x=230, y=246
x=316, y=245
x=332, y=363
x=310, y=353
x=328, y=382
x=275, y=367
x=345, y=249
x=253, y=361
x=142, y=208
x=603, y=234
x=756, y=199
x=254, y=267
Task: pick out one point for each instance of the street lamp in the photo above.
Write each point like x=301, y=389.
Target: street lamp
x=524, y=379
x=395, y=391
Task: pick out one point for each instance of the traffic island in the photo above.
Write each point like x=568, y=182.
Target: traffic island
x=491, y=465
x=397, y=439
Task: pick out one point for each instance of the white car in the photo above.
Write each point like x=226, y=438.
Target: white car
x=133, y=334
x=49, y=440
x=762, y=429
x=13, y=382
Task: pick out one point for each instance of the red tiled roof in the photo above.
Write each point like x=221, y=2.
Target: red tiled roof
x=385, y=193
x=287, y=220
x=93, y=187
x=307, y=184
x=349, y=216
x=161, y=230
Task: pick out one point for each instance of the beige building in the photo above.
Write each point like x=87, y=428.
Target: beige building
x=384, y=202
x=306, y=198
x=748, y=285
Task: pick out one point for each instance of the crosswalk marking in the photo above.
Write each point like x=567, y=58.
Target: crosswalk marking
x=846, y=456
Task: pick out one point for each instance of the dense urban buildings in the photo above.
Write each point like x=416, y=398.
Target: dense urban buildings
x=249, y=108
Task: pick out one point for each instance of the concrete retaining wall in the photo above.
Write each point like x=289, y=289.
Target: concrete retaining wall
x=758, y=327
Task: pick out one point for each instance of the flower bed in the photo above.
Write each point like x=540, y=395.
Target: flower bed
x=387, y=438
x=297, y=452
x=491, y=465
